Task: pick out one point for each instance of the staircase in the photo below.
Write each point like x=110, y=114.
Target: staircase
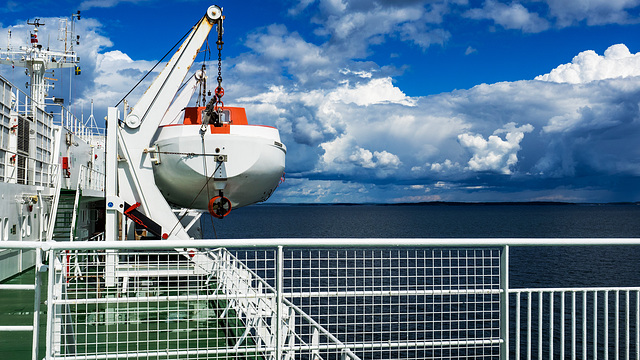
x=64, y=228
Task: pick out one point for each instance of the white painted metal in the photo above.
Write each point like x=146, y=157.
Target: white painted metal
x=187, y=159
x=136, y=180
x=255, y=297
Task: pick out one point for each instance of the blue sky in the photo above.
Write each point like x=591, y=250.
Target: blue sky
x=399, y=101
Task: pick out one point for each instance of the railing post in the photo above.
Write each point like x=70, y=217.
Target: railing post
x=36, y=305
x=51, y=281
x=279, y=276
x=504, y=303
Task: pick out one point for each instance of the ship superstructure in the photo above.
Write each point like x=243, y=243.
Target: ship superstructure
x=51, y=164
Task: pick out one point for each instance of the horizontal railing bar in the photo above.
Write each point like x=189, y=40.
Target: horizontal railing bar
x=143, y=299
x=570, y=290
x=319, y=242
x=17, y=287
x=124, y=300
x=16, y=328
x=412, y=344
x=390, y=293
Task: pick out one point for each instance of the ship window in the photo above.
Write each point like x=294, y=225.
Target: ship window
x=5, y=229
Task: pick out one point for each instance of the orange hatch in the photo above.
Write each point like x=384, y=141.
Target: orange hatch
x=232, y=115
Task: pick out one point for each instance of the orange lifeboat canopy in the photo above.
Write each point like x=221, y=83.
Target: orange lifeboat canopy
x=230, y=116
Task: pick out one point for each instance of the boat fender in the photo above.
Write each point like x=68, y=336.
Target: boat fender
x=219, y=206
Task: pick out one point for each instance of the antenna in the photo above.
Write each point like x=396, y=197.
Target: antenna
x=35, y=23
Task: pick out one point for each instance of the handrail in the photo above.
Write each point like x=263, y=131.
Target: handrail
x=57, y=184
x=325, y=242
x=91, y=179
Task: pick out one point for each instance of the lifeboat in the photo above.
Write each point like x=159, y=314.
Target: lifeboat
x=218, y=166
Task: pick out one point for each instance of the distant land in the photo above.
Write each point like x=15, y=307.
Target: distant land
x=455, y=203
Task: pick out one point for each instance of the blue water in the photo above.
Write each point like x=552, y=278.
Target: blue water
x=428, y=221
x=529, y=267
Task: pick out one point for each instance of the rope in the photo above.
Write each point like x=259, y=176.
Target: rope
x=154, y=66
x=196, y=198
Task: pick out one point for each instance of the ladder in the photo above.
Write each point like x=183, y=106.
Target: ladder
x=64, y=226
x=36, y=287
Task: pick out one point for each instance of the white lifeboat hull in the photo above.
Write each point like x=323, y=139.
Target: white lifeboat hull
x=246, y=164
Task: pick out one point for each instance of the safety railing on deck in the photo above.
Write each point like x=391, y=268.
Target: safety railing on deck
x=324, y=299
x=91, y=179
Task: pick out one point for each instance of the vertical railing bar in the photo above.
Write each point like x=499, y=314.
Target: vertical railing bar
x=562, y=325
x=540, y=325
x=637, y=325
x=279, y=290
x=584, y=325
x=617, y=348
x=627, y=328
x=551, y=321
x=49, y=334
x=36, y=306
x=504, y=313
x=595, y=325
x=529, y=295
x=606, y=324
x=573, y=325
x=518, y=306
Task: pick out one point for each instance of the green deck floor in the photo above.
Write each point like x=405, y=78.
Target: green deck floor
x=16, y=308
x=167, y=326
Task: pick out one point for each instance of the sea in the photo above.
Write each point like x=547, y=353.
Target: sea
x=556, y=266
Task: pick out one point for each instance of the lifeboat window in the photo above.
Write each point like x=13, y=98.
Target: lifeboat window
x=226, y=117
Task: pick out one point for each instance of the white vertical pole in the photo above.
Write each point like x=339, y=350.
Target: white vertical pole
x=504, y=302
x=595, y=325
x=111, y=192
x=627, y=328
x=584, y=325
x=111, y=183
x=49, y=334
x=36, y=306
x=606, y=324
x=573, y=325
x=279, y=289
x=540, y=306
x=551, y=320
x=562, y=324
x=529, y=295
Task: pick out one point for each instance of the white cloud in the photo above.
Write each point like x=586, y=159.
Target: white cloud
x=594, y=12
x=89, y=4
x=514, y=16
x=495, y=154
x=276, y=43
x=343, y=155
x=375, y=91
x=589, y=66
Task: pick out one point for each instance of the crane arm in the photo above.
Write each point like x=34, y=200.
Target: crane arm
x=150, y=109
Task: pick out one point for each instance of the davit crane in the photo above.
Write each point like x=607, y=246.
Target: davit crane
x=167, y=159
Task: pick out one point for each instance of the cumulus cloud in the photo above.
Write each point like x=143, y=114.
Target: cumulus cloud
x=513, y=16
x=495, y=153
x=593, y=12
x=617, y=62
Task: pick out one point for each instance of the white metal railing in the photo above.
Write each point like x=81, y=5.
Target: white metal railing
x=325, y=299
x=65, y=118
x=23, y=169
x=91, y=179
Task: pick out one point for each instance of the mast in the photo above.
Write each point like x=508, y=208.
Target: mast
x=38, y=60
